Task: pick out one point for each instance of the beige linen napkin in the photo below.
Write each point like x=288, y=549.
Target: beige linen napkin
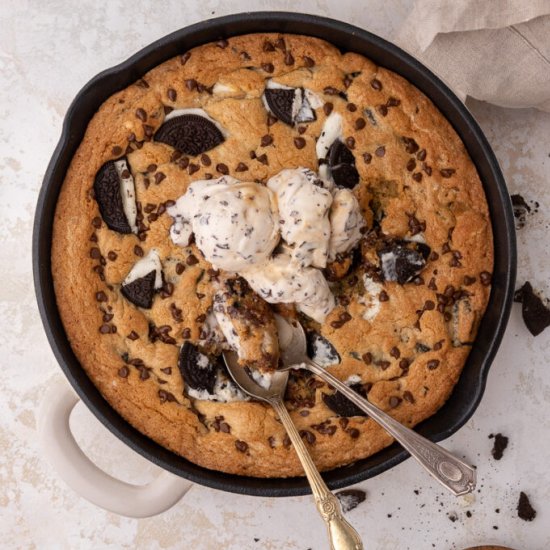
x=494, y=50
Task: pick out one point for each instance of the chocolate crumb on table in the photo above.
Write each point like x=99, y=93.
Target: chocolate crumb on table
x=350, y=498
x=525, y=511
x=536, y=314
x=500, y=444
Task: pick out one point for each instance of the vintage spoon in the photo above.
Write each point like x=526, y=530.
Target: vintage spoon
x=452, y=473
x=341, y=534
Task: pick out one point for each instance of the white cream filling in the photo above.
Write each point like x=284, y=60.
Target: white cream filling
x=127, y=193
x=370, y=299
x=332, y=130
x=144, y=266
x=346, y=223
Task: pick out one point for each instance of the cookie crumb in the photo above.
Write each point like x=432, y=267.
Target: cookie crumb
x=535, y=312
x=350, y=498
x=500, y=444
x=525, y=511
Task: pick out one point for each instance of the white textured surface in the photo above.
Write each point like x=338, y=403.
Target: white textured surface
x=48, y=50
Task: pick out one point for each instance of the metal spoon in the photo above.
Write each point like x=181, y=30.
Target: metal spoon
x=452, y=473
x=341, y=534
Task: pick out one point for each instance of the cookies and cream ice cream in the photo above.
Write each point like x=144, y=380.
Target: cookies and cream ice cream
x=235, y=223
x=237, y=226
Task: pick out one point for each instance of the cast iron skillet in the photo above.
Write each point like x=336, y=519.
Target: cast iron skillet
x=469, y=390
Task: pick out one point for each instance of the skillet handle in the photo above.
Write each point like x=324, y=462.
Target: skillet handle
x=89, y=481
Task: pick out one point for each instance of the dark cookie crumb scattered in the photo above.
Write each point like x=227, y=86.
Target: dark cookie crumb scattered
x=500, y=444
x=522, y=209
x=535, y=312
x=525, y=511
x=350, y=498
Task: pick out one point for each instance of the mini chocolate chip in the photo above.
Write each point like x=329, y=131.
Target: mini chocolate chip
x=394, y=401
x=411, y=165
x=417, y=176
x=133, y=335
x=192, y=168
x=124, y=371
x=184, y=58
x=222, y=168
x=105, y=329
x=186, y=333
x=429, y=305
x=383, y=296
x=95, y=253
x=159, y=176
x=408, y=396
x=382, y=109
x=266, y=140
x=360, y=123
x=447, y=172
x=268, y=67
x=404, y=364
x=376, y=84
x=192, y=260
x=241, y=167
x=305, y=412
x=308, y=436
x=289, y=58
x=180, y=268
x=394, y=352
x=263, y=159
x=222, y=43
x=299, y=142
x=380, y=151
x=141, y=114
x=393, y=102
x=331, y=90
x=101, y=296
x=116, y=150
x=96, y=222
x=427, y=169
x=172, y=94
x=268, y=46
x=107, y=317
x=433, y=364
x=367, y=157
x=421, y=155
x=206, y=160
x=485, y=278
x=271, y=120
x=327, y=108
x=351, y=107
x=350, y=142
x=308, y=61
x=354, y=433
x=191, y=84
x=138, y=251
x=367, y=358
x=241, y=446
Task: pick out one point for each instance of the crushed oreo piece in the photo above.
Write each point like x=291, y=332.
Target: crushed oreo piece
x=402, y=261
x=290, y=105
x=141, y=291
x=190, y=134
x=199, y=371
x=341, y=405
x=499, y=445
x=536, y=314
x=525, y=511
x=522, y=209
x=350, y=498
x=115, y=195
x=342, y=165
x=321, y=350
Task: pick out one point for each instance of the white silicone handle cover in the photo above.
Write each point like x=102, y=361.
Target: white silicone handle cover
x=89, y=481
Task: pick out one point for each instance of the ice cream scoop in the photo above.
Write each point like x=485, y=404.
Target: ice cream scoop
x=235, y=223
x=303, y=204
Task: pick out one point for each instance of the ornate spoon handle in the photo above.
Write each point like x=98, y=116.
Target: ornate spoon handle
x=341, y=534
x=452, y=473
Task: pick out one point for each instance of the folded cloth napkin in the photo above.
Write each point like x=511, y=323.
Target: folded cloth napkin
x=494, y=50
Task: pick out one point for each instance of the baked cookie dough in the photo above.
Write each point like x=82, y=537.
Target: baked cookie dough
x=138, y=307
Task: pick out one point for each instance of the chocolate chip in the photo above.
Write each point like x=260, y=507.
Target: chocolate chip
x=241, y=446
x=383, y=296
x=331, y=90
x=192, y=168
x=191, y=84
x=184, y=58
x=394, y=352
x=138, y=251
x=433, y=364
x=95, y=253
x=141, y=114
x=289, y=58
x=382, y=109
x=308, y=61
x=116, y=150
x=485, y=278
x=308, y=436
x=206, y=160
x=222, y=43
x=447, y=172
x=180, y=268
x=351, y=107
x=105, y=329
x=421, y=155
x=263, y=159
x=393, y=102
x=101, y=296
x=159, y=176
x=380, y=151
x=350, y=142
x=299, y=142
x=535, y=313
x=469, y=280
x=124, y=371
x=417, y=176
x=186, y=333
x=271, y=120
x=268, y=46
x=192, y=260
x=367, y=157
x=190, y=134
x=172, y=94
x=367, y=358
x=327, y=108
x=526, y=512
x=376, y=84
x=266, y=140
x=408, y=396
x=395, y=401
x=354, y=433
x=133, y=335
x=268, y=67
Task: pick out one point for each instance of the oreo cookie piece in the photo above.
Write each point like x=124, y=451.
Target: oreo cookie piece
x=190, y=133
x=535, y=313
x=114, y=192
x=199, y=371
x=402, y=261
x=341, y=405
x=320, y=350
x=350, y=498
x=341, y=164
x=144, y=279
x=289, y=105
